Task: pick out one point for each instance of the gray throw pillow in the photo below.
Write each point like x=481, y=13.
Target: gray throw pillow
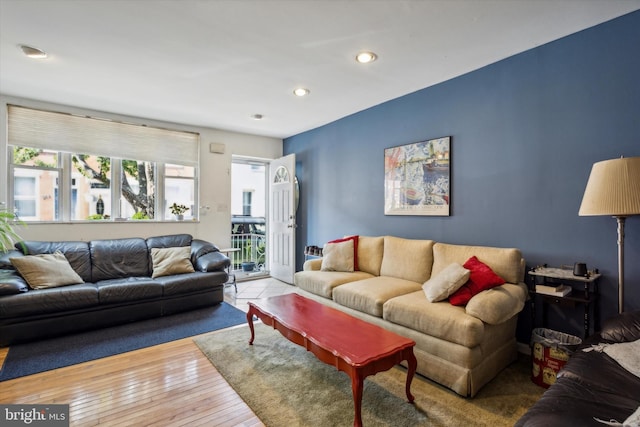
x=46, y=270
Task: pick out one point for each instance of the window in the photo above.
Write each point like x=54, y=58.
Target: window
x=35, y=184
x=91, y=184
x=25, y=196
x=246, y=202
x=137, y=187
x=179, y=188
x=76, y=168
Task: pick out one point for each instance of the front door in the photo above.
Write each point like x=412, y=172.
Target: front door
x=282, y=220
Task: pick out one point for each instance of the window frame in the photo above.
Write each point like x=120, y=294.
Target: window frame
x=11, y=185
x=47, y=130
x=165, y=208
x=65, y=187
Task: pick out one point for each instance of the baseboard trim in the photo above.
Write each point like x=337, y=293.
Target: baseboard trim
x=243, y=277
x=524, y=348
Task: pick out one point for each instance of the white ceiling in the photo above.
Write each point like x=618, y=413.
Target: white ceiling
x=215, y=63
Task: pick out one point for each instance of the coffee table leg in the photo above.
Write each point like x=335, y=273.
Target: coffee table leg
x=412, y=365
x=357, y=382
x=250, y=321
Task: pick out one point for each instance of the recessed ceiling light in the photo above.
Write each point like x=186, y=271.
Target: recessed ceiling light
x=33, y=52
x=301, y=91
x=257, y=117
x=366, y=57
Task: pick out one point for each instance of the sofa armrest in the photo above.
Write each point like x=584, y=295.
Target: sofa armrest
x=312, y=264
x=624, y=327
x=11, y=283
x=206, y=257
x=5, y=259
x=212, y=261
x=499, y=304
x=201, y=247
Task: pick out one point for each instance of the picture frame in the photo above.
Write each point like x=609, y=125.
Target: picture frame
x=417, y=178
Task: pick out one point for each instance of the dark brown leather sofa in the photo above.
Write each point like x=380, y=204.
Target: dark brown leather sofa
x=592, y=387
x=118, y=286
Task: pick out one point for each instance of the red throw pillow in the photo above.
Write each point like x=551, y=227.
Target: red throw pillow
x=482, y=278
x=355, y=249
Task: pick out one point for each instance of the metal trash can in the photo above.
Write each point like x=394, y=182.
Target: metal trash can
x=551, y=351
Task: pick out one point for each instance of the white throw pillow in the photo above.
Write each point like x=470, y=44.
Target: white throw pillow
x=445, y=283
x=338, y=257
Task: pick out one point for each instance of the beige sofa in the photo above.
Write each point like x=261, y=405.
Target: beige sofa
x=460, y=347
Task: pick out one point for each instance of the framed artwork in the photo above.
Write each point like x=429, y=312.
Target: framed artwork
x=416, y=178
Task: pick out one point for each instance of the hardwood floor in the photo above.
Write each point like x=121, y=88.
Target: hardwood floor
x=171, y=384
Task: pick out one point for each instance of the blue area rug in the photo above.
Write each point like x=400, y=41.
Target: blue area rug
x=54, y=353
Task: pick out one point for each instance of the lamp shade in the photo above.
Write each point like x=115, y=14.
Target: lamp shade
x=613, y=188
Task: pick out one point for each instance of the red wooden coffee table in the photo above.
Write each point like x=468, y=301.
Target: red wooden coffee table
x=351, y=345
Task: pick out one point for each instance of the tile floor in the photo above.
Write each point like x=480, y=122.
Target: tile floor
x=250, y=290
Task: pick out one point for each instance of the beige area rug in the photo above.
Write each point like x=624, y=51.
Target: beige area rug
x=286, y=385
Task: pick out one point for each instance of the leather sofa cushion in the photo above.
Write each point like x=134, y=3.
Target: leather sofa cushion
x=597, y=371
x=324, y=282
x=591, y=385
x=505, y=262
x=437, y=319
x=128, y=289
x=190, y=282
x=77, y=253
x=624, y=327
x=169, y=241
x=52, y=300
x=407, y=259
x=119, y=258
x=369, y=295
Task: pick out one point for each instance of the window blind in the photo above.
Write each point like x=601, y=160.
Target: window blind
x=87, y=135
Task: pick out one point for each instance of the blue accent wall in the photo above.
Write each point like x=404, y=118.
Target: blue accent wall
x=525, y=133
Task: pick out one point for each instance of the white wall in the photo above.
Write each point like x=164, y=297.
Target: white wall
x=245, y=178
x=215, y=182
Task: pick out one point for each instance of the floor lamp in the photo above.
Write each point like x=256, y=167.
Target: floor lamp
x=614, y=189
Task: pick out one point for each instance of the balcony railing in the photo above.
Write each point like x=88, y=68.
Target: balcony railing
x=252, y=249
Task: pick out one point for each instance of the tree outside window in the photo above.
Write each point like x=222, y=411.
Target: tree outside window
x=138, y=189
x=137, y=186
x=92, y=177
x=37, y=178
x=70, y=167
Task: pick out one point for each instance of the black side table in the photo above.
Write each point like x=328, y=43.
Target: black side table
x=584, y=293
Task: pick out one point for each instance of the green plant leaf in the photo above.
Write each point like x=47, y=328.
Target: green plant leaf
x=8, y=235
